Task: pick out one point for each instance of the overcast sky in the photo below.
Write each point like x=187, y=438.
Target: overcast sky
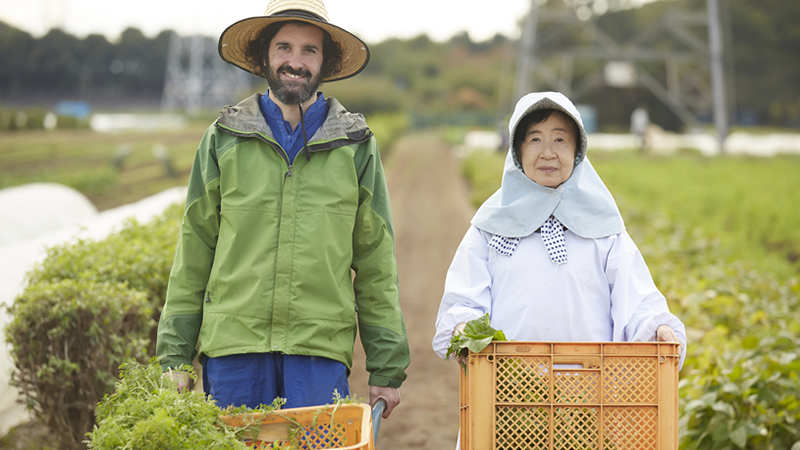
x=372, y=20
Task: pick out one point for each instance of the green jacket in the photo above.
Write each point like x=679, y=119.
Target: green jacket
x=264, y=259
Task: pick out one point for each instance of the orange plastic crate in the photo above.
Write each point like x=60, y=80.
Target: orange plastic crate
x=571, y=395
x=329, y=427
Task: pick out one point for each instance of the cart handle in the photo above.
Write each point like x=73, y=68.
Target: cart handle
x=377, y=413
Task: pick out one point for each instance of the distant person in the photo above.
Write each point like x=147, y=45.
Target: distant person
x=640, y=120
x=287, y=247
x=547, y=256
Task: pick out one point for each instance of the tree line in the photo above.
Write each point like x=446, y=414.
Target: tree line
x=432, y=80
x=60, y=66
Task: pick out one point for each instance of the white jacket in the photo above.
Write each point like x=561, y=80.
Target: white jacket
x=604, y=293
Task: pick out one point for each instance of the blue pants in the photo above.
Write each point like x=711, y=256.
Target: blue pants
x=253, y=379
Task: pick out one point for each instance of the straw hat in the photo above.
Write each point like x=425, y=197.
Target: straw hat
x=234, y=40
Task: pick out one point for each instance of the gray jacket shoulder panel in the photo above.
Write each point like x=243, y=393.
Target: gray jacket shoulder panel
x=340, y=124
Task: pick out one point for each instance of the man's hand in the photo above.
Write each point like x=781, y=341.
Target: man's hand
x=181, y=378
x=390, y=394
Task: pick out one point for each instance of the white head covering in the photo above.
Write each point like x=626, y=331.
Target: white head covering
x=582, y=203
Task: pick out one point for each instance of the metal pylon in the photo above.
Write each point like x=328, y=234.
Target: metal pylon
x=197, y=78
x=693, y=77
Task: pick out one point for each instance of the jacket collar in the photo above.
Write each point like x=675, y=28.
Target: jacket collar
x=340, y=124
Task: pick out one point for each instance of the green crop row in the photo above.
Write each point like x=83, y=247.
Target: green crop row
x=110, y=169
x=749, y=204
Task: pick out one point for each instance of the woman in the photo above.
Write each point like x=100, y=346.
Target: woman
x=547, y=256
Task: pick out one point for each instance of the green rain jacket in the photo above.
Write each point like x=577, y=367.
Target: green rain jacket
x=266, y=249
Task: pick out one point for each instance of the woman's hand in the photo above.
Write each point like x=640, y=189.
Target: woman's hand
x=461, y=357
x=665, y=333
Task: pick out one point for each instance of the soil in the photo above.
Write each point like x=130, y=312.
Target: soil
x=431, y=210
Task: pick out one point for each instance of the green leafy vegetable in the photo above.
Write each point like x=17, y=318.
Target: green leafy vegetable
x=477, y=335
x=147, y=411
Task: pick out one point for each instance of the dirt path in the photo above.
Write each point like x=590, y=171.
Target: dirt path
x=431, y=213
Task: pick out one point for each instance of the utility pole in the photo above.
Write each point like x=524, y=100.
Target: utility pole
x=526, y=59
x=717, y=74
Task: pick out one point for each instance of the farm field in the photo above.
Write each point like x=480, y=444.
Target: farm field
x=727, y=271
x=110, y=169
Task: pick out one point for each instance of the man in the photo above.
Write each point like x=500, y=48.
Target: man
x=287, y=246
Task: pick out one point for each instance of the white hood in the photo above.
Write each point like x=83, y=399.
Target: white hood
x=583, y=203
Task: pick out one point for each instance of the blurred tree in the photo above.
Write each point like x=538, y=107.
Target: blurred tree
x=15, y=46
x=766, y=45
x=96, y=53
x=53, y=65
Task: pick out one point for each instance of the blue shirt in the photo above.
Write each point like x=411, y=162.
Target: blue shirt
x=292, y=140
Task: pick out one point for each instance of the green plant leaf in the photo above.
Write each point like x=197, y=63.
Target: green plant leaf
x=750, y=342
x=739, y=435
x=477, y=335
x=723, y=408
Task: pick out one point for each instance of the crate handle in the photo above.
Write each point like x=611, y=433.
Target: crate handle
x=587, y=361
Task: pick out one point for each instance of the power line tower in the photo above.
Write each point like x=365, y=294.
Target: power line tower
x=692, y=66
x=197, y=78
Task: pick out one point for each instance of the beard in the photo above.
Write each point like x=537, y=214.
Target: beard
x=292, y=95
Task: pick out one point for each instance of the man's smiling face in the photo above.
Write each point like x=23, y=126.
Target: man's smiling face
x=295, y=61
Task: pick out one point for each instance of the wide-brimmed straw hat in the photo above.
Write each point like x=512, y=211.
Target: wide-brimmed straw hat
x=235, y=39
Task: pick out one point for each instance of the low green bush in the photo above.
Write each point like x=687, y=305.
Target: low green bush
x=746, y=398
x=140, y=255
x=739, y=385
x=67, y=340
x=88, y=306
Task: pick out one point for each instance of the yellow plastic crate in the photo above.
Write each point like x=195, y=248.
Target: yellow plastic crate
x=571, y=395
x=329, y=427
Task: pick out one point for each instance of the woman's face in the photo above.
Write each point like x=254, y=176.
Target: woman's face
x=547, y=152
